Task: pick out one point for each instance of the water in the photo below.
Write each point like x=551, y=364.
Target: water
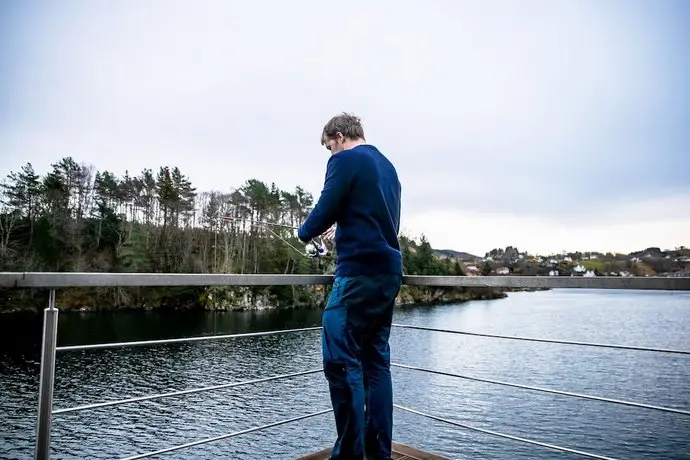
x=654, y=319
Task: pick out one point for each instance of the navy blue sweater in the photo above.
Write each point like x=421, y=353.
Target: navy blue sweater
x=362, y=195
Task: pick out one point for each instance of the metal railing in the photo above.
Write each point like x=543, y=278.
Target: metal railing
x=55, y=281
x=63, y=280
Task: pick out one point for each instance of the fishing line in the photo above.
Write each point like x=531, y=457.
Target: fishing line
x=284, y=240
x=312, y=249
x=260, y=222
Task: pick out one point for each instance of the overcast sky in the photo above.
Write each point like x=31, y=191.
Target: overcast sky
x=547, y=125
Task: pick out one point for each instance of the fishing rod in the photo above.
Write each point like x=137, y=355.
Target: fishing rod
x=260, y=222
x=312, y=249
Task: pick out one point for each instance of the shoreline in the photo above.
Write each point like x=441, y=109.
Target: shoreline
x=410, y=296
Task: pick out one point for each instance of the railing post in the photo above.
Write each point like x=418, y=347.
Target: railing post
x=45, y=395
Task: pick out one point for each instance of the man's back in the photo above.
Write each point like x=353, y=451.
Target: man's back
x=369, y=217
x=362, y=195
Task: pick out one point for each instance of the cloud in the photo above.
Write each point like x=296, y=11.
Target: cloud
x=662, y=223
x=541, y=112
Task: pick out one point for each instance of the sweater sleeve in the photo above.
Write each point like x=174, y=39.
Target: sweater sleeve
x=339, y=174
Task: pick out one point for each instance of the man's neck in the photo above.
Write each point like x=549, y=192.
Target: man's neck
x=350, y=144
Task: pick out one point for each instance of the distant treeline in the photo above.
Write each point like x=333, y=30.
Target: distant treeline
x=648, y=262
x=78, y=219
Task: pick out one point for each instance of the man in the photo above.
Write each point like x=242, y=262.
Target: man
x=362, y=195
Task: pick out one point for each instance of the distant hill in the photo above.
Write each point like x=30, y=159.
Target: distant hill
x=456, y=254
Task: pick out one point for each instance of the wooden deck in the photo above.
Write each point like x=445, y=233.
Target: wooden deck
x=400, y=452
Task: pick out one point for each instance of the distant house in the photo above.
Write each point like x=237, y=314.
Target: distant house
x=579, y=270
x=502, y=271
x=589, y=274
x=553, y=273
x=567, y=259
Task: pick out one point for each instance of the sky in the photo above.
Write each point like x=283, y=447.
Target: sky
x=550, y=126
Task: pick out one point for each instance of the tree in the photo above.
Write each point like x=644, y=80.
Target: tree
x=485, y=268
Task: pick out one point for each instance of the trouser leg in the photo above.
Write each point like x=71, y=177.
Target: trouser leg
x=355, y=334
x=379, y=396
x=342, y=368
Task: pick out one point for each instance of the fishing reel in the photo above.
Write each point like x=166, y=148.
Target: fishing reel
x=315, y=249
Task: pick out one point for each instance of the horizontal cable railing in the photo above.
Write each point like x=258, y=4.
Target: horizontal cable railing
x=503, y=435
x=545, y=390
x=183, y=392
x=229, y=435
x=531, y=339
x=62, y=280
x=183, y=339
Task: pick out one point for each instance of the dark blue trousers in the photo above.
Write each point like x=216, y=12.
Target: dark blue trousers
x=356, y=361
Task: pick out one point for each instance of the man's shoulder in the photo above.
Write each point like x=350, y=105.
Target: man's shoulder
x=351, y=157
x=368, y=151
x=361, y=157
x=342, y=160
x=363, y=149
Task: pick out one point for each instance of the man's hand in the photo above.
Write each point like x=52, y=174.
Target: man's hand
x=329, y=234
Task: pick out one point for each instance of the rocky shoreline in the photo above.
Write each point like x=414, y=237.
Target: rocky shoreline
x=245, y=300
x=237, y=298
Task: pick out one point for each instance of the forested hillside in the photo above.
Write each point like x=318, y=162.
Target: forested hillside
x=78, y=219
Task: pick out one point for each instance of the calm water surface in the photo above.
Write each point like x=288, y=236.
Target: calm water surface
x=652, y=319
